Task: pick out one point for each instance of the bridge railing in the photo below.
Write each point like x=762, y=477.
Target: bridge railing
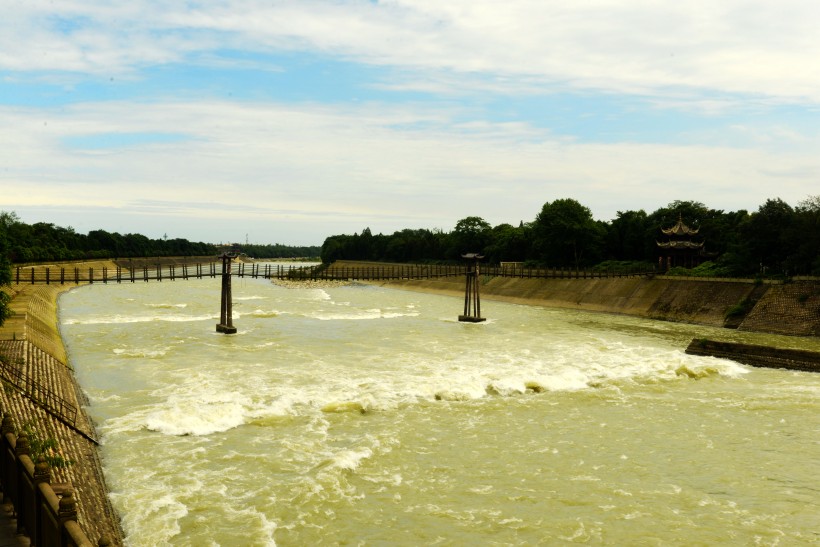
x=388, y=272
x=47, y=275
x=61, y=276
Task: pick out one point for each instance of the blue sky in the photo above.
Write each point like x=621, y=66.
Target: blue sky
x=288, y=121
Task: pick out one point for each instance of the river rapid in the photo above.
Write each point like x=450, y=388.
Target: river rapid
x=370, y=416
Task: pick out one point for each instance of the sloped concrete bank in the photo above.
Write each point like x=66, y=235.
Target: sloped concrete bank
x=787, y=308
x=30, y=341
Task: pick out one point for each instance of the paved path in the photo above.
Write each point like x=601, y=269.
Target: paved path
x=8, y=529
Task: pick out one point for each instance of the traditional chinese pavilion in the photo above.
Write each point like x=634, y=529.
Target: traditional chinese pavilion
x=681, y=248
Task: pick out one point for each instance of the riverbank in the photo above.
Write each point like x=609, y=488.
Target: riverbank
x=30, y=341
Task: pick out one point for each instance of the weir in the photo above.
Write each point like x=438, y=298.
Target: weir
x=756, y=355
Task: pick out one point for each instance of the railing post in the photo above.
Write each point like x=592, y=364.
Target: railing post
x=68, y=507
x=21, y=448
x=7, y=424
x=42, y=475
x=6, y=460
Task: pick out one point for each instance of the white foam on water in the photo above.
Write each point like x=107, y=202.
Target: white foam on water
x=127, y=319
x=163, y=511
x=350, y=459
x=141, y=353
x=102, y=397
x=359, y=315
x=167, y=306
x=315, y=294
x=212, y=401
x=205, y=413
x=263, y=313
x=254, y=525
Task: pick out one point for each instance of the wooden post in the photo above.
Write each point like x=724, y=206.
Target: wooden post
x=472, y=297
x=225, y=325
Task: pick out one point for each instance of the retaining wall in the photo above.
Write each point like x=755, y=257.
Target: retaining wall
x=791, y=308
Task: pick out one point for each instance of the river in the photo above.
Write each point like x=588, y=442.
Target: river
x=354, y=414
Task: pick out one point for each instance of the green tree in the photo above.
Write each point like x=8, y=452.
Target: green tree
x=626, y=236
x=564, y=233
x=765, y=236
x=335, y=248
x=509, y=243
x=471, y=235
x=804, y=234
x=6, y=220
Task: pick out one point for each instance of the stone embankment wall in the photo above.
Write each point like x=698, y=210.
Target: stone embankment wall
x=790, y=308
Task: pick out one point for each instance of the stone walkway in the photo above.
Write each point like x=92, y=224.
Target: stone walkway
x=8, y=529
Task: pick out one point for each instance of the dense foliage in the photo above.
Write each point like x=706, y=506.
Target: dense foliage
x=46, y=242
x=777, y=239
x=280, y=251
x=5, y=272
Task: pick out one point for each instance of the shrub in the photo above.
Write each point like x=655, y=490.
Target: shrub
x=46, y=447
x=741, y=308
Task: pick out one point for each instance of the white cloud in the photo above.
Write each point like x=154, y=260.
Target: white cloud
x=393, y=166
x=748, y=47
x=357, y=166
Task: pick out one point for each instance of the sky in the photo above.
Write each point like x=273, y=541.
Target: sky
x=282, y=121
